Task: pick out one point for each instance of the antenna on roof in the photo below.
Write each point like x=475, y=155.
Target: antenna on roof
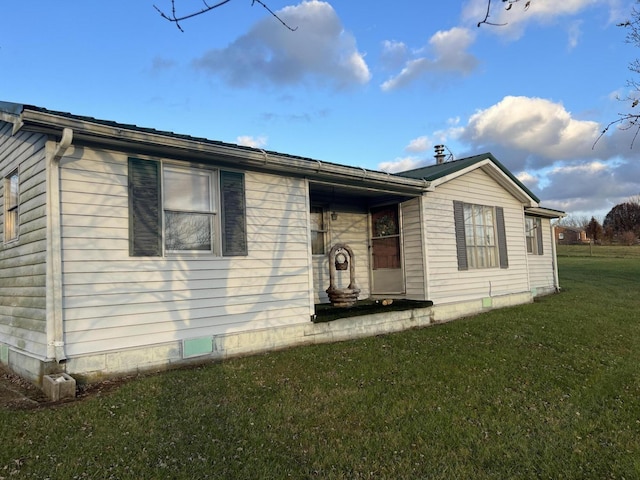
x=440, y=155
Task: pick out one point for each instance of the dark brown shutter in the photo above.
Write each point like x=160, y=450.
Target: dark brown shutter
x=461, y=242
x=234, y=224
x=539, y=236
x=145, y=234
x=502, y=238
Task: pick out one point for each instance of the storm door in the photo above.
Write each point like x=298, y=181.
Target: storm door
x=386, y=259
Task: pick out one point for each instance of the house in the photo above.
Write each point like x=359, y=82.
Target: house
x=570, y=235
x=126, y=248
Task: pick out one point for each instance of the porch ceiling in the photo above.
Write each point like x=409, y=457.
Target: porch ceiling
x=326, y=193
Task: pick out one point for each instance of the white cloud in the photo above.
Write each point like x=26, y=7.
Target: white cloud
x=554, y=153
x=394, y=54
x=320, y=51
x=530, y=180
x=575, y=32
x=592, y=187
x=532, y=127
x=402, y=164
x=249, y=141
x=449, y=55
x=420, y=144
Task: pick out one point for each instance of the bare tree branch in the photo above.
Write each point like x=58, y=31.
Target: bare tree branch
x=271, y=12
x=629, y=120
x=509, y=3
x=174, y=18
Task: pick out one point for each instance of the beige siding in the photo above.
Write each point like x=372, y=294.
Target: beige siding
x=23, y=262
x=351, y=227
x=541, y=267
x=114, y=301
x=414, y=270
x=445, y=282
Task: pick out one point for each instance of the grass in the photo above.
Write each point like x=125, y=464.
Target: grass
x=546, y=390
x=607, y=251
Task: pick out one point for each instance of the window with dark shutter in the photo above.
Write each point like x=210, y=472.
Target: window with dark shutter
x=481, y=240
x=533, y=235
x=234, y=225
x=189, y=207
x=145, y=224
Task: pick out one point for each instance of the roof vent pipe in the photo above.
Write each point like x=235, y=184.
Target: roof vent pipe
x=440, y=156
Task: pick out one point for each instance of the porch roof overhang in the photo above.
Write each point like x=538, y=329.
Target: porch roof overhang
x=144, y=141
x=545, y=212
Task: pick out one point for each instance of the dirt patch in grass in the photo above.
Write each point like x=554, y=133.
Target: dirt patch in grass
x=16, y=393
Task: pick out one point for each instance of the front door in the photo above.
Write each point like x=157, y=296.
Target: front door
x=386, y=260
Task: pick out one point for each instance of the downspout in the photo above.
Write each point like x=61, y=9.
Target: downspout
x=554, y=258
x=55, y=347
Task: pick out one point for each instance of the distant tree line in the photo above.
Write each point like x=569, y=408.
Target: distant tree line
x=620, y=226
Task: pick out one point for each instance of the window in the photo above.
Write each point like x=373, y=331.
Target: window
x=533, y=235
x=480, y=236
x=180, y=209
x=318, y=231
x=189, y=210
x=479, y=227
x=11, y=201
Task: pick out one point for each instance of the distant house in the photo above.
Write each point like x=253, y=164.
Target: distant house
x=127, y=248
x=570, y=235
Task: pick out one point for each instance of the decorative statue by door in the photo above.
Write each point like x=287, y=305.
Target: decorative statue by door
x=341, y=258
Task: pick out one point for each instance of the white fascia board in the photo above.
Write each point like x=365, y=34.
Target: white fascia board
x=248, y=157
x=545, y=212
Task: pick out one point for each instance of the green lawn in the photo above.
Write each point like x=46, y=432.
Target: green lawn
x=546, y=390
x=609, y=251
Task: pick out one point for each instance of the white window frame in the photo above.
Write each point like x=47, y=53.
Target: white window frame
x=533, y=235
x=210, y=209
x=481, y=236
x=11, y=207
x=322, y=231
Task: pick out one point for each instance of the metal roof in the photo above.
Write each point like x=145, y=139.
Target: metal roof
x=438, y=171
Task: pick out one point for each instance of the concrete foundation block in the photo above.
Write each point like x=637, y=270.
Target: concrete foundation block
x=59, y=386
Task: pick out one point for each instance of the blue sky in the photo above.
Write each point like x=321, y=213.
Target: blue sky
x=373, y=86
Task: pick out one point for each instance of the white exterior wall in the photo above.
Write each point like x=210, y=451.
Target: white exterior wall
x=23, y=261
x=351, y=227
x=413, y=250
x=541, y=267
x=445, y=282
x=113, y=301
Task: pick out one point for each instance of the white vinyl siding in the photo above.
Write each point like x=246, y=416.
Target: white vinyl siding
x=414, y=265
x=23, y=261
x=541, y=268
x=114, y=301
x=446, y=283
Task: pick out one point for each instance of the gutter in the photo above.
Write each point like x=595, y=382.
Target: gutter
x=55, y=321
x=180, y=146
